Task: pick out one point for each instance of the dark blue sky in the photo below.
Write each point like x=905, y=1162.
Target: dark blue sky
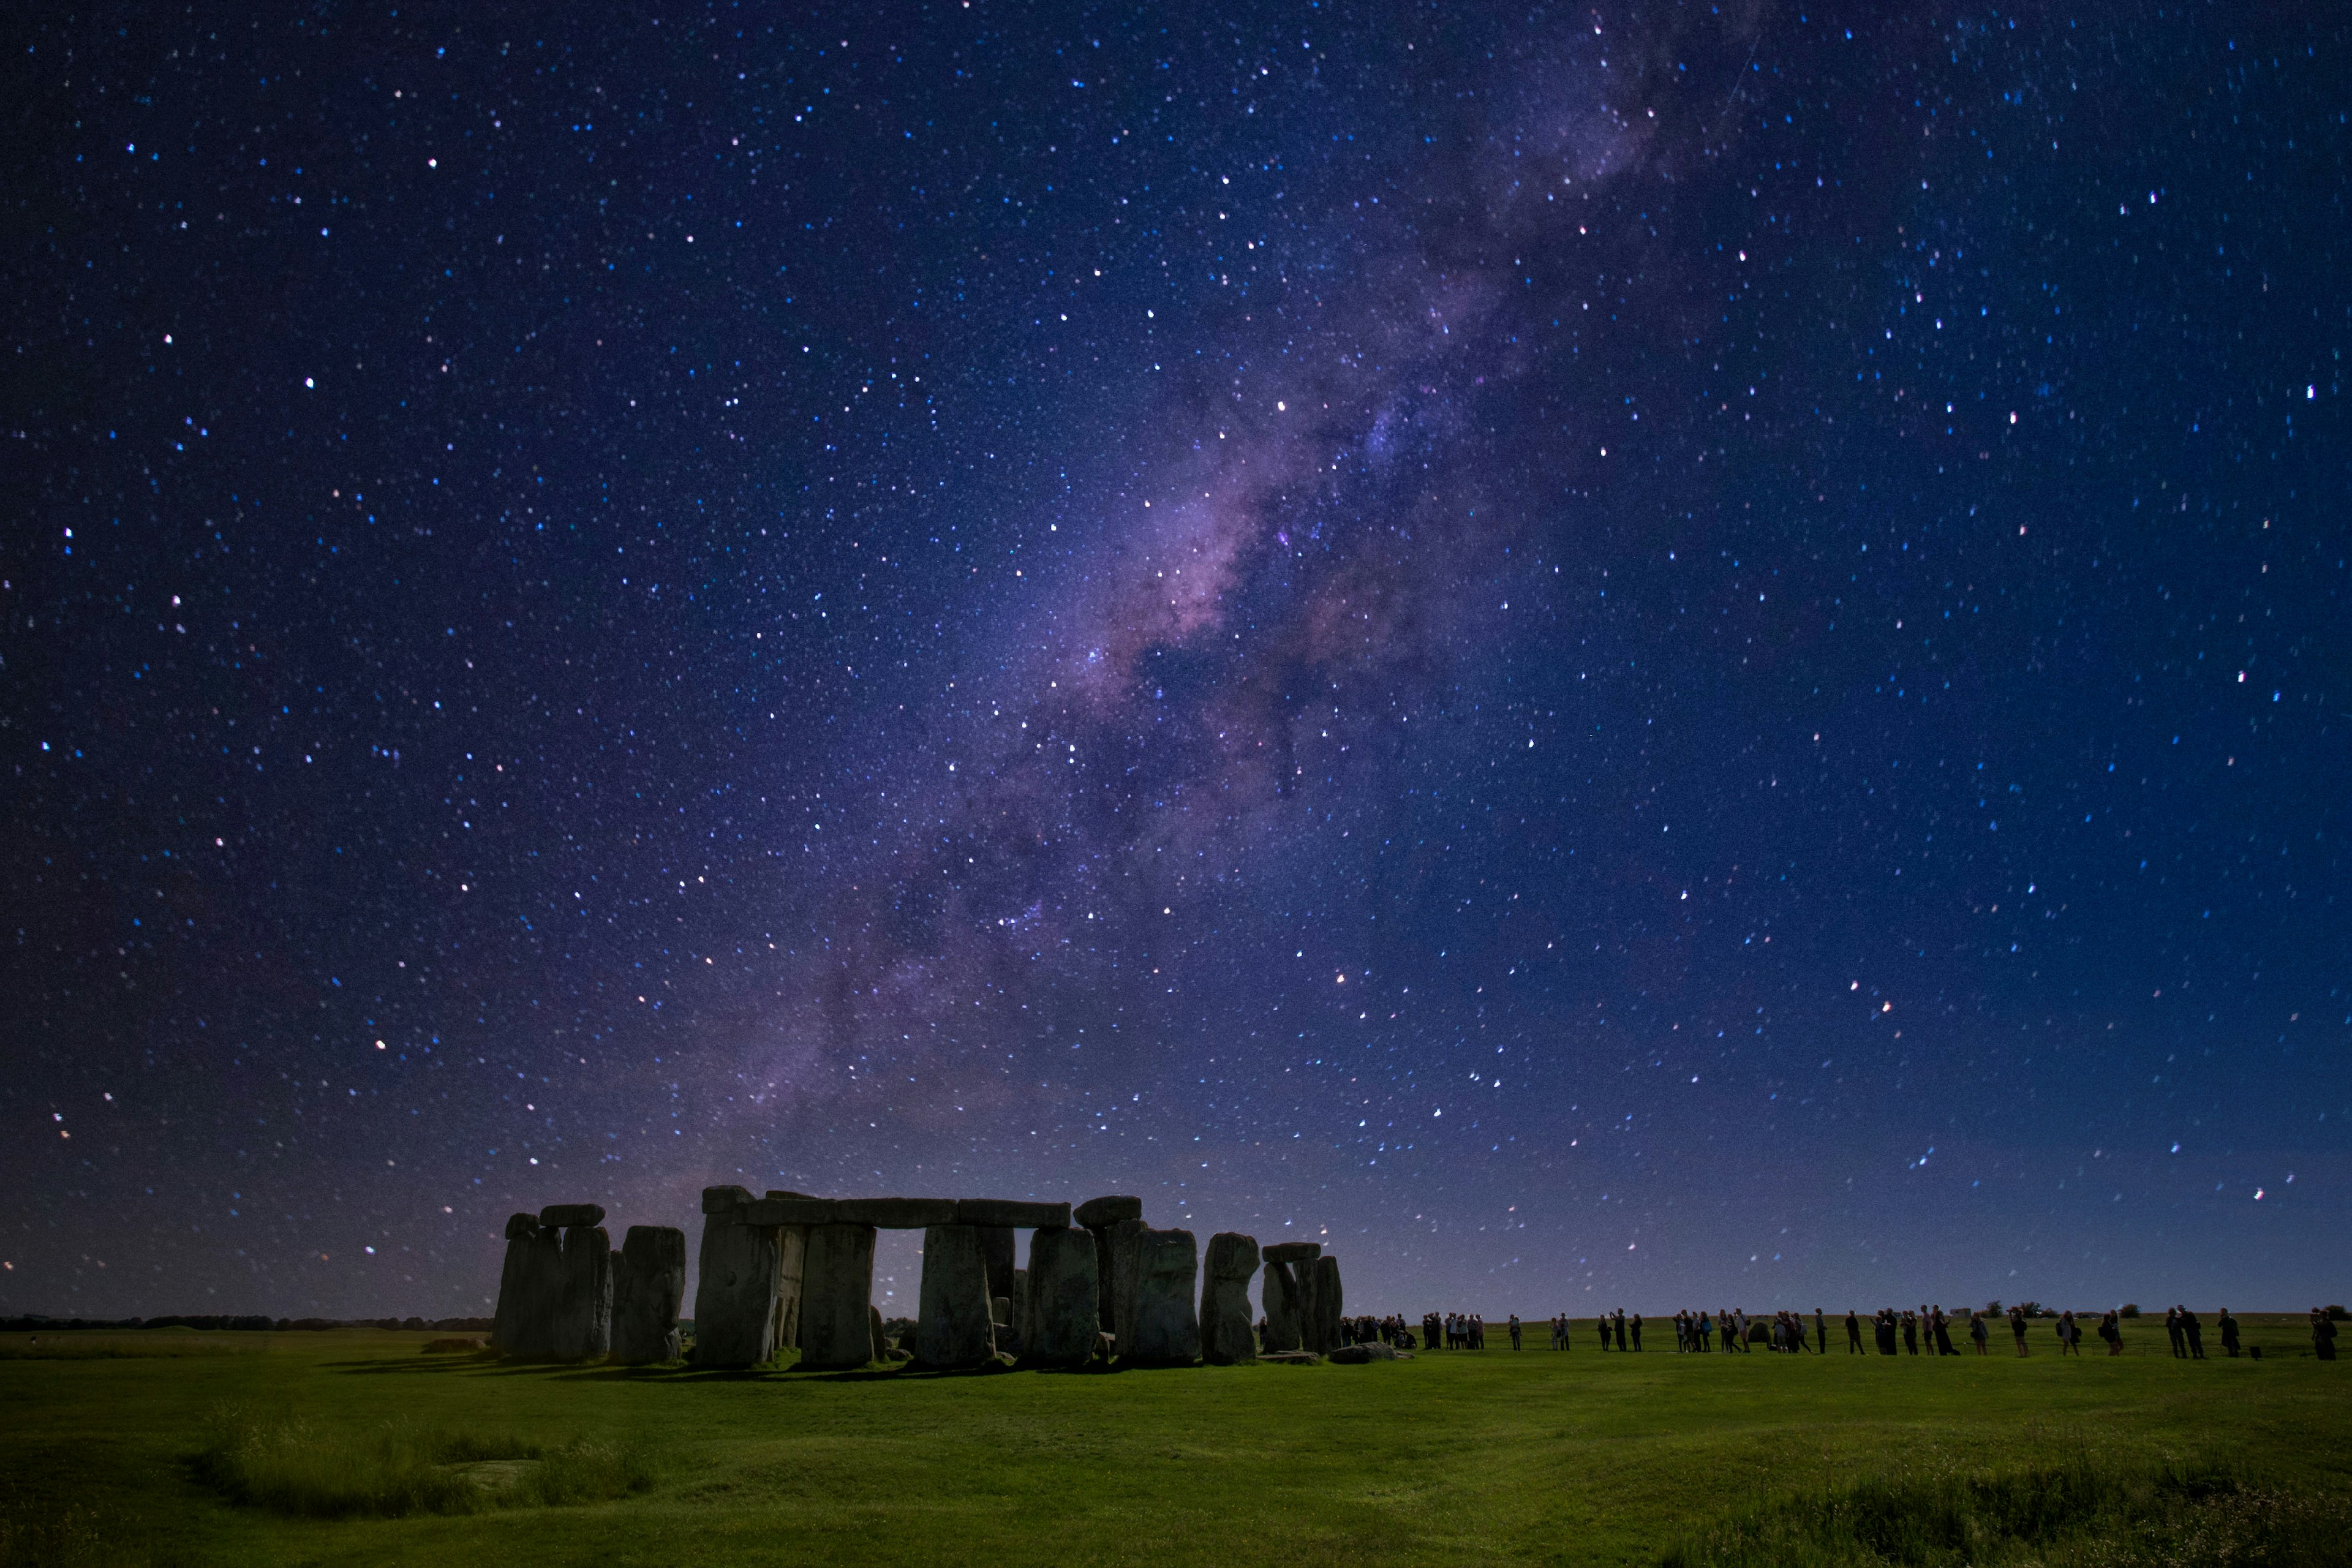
x=1649, y=656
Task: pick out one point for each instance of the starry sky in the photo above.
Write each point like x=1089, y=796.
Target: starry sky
x=1647, y=655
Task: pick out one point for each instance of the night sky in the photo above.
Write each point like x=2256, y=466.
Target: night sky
x=1646, y=656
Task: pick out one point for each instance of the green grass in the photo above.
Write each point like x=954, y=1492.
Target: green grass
x=351, y=1447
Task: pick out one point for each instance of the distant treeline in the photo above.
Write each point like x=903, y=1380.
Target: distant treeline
x=39, y=1323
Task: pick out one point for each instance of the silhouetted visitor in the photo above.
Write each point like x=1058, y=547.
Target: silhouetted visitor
x=1852, y=1333
x=2229, y=1327
x=2172, y=1331
x=2196, y=1332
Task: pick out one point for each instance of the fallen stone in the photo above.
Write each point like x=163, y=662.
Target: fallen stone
x=1280, y=1293
x=1327, y=1304
x=1167, y=1330
x=1292, y=1251
x=1101, y=1214
x=723, y=1200
x=583, y=1309
x=1226, y=1337
x=1290, y=1358
x=1060, y=1324
x=563, y=1216
x=957, y=1326
x=895, y=1214
x=837, y=1297
x=739, y=1283
x=648, y=1287
x=1356, y=1355
x=1013, y=1212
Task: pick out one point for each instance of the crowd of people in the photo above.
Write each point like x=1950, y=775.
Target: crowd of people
x=1928, y=1330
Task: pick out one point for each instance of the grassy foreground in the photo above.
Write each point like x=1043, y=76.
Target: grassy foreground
x=356, y=1447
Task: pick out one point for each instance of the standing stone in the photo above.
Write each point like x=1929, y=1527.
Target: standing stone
x=1307, y=1276
x=996, y=1248
x=1123, y=1261
x=1018, y=1311
x=837, y=1297
x=791, y=1264
x=1328, y=1308
x=1099, y=1216
x=517, y=1284
x=881, y=1340
x=648, y=1287
x=1060, y=1326
x=737, y=1283
x=583, y=1308
x=1225, y=1336
x=1284, y=1331
x=1164, y=1327
x=955, y=1326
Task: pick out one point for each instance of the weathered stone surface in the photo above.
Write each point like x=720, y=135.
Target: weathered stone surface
x=1167, y=1325
x=1356, y=1355
x=1122, y=1278
x=895, y=1214
x=1063, y=1318
x=1284, y=1331
x=1327, y=1304
x=1101, y=1214
x=881, y=1340
x=529, y=1284
x=1292, y=1251
x=584, y=1311
x=1014, y=1214
x=996, y=1251
x=565, y=1215
x=837, y=1297
x=723, y=1200
x=1308, y=1280
x=956, y=1327
x=791, y=1211
x=1226, y=1336
x=738, y=1281
x=1018, y=1315
x=648, y=1287
x=1291, y=1358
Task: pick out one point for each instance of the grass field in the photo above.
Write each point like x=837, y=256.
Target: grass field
x=350, y=1447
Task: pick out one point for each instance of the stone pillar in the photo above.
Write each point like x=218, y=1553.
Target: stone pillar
x=996, y=1250
x=1018, y=1308
x=837, y=1297
x=792, y=1252
x=1328, y=1308
x=583, y=1309
x=1123, y=1262
x=1225, y=1336
x=648, y=1287
x=1165, y=1328
x=1060, y=1324
x=1099, y=1216
x=518, y=1328
x=737, y=1282
x=1286, y=1314
x=955, y=1328
x=881, y=1341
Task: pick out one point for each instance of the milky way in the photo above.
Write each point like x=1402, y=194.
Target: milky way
x=1631, y=656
